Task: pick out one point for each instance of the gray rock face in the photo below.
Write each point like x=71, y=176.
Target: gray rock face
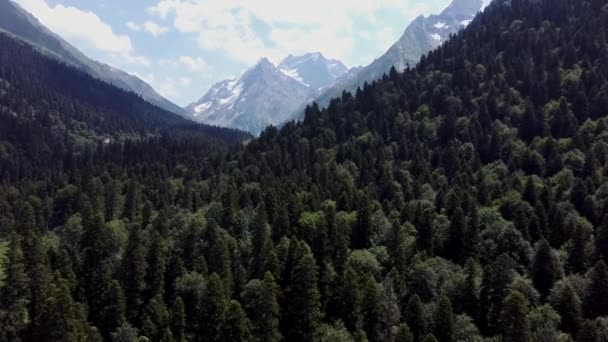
x=261, y=97
x=19, y=23
x=266, y=94
x=313, y=69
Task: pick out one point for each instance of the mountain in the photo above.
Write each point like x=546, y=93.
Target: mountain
x=313, y=69
x=15, y=20
x=266, y=94
x=424, y=34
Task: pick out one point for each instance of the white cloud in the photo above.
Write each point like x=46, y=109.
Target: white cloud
x=193, y=64
x=82, y=28
x=135, y=60
x=185, y=81
x=166, y=86
x=133, y=26
x=231, y=27
x=155, y=29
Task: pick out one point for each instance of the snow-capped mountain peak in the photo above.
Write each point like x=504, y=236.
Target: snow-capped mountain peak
x=313, y=69
x=266, y=94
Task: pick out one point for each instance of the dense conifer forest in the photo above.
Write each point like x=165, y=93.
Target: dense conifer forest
x=465, y=199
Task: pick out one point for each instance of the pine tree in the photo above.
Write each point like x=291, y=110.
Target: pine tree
x=371, y=310
x=213, y=306
x=596, y=303
x=302, y=314
x=544, y=272
x=424, y=226
x=157, y=266
x=577, y=258
x=178, y=320
x=131, y=201
x=235, y=325
x=135, y=267
x=456, y=239
x=404, y=334
x=113, y=309
x=568, y=305
x=601, y=239
x=260, y=300
x=16, y=294
x=155, y=320
x=262, y=242
x=444, y=321
x=362, y=229
x=514, y=319
x=415, y=318
x=61, y=318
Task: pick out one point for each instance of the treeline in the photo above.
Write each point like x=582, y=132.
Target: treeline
x=463, y=200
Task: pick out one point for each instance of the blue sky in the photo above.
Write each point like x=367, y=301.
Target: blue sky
x=181, y=47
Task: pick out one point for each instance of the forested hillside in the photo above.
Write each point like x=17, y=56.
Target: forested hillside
x=48, y=108
x=462, y=200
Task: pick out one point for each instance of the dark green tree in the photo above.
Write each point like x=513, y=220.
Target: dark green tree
x=234, y=325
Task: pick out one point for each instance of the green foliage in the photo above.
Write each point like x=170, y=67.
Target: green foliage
x=4, y=248
x=461, y=200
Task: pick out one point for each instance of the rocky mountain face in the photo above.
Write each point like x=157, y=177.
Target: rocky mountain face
x=313, y=70
x=266, y=94
x=17, y=22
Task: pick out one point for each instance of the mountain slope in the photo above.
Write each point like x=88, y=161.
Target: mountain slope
x=266, y=94
x=17, y=21
x=421, y=36
x=44, y=101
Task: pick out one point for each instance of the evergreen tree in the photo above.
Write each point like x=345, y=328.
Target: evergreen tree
x=514, y=319
x=404, y=334
x=135, y=267
x=415, y=318
x=596, y=302
x=456, y=239
x=371, y=310
x=262, y=243
x=568, y=305
x=16, y=297
x=155, y=320
x=544, y=272
x=444, y=321
x=178, y=320
x=213, y=306
x=113, y=309
x=235, y=325
x=302, y=314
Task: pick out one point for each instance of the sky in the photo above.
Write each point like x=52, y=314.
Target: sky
x=182, y=47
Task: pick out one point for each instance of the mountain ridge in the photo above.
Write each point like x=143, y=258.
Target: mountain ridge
x=266, y=94
x=23, y=25
x=421, y=36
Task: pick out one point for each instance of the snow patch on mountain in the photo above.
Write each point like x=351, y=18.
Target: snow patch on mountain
x=293, y=73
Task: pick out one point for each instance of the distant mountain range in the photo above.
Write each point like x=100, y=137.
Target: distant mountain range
x=16, y=21
x=271, y=95
x=424, y=34
x=266, y=94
